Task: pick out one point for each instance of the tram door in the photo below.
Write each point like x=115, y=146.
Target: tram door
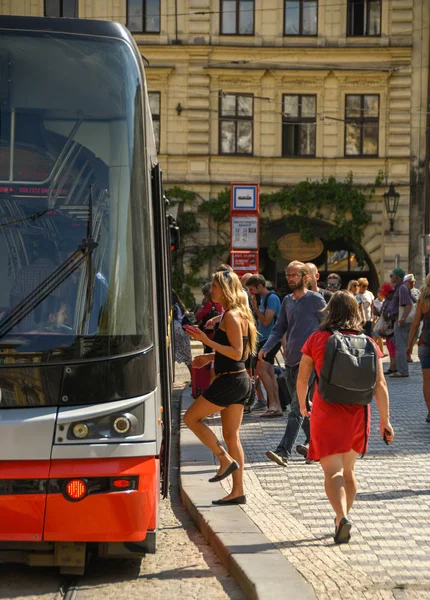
x=25, y=447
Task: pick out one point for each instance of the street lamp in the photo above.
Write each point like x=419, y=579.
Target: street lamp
x=391, y=201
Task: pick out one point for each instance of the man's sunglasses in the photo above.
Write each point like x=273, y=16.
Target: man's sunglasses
x=333, y=285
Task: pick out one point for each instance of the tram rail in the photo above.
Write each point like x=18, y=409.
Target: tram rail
x=68, y=589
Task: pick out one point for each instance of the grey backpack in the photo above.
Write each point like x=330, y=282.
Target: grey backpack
x=350, y=367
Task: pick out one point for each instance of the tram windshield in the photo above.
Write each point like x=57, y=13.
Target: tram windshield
x=72, y=168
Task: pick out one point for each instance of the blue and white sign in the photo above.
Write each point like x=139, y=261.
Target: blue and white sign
x=245, y=197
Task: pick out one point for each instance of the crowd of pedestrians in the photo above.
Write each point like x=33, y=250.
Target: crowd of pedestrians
x=334, y=413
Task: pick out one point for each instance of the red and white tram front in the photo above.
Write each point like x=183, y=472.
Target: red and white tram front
x=80, y=406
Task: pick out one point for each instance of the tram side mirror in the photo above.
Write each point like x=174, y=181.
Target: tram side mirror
x=174, y=233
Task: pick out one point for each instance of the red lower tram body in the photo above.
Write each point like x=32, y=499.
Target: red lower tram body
x=111, y=500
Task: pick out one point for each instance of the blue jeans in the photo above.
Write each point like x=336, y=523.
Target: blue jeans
x=295, y=418
x=401, y=335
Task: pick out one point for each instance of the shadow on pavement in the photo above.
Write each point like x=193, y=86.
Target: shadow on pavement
x=392, y=495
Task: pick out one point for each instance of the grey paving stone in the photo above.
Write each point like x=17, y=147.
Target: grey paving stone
x=390, y=549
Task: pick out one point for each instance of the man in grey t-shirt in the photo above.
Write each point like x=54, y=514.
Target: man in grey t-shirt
x=301, y=313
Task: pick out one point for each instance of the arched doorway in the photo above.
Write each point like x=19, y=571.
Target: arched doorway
x=336, y=256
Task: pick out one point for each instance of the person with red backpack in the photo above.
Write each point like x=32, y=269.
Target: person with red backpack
x=208, y=309
x=349, y=373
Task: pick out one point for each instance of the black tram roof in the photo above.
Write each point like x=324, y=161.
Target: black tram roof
x=62, y=25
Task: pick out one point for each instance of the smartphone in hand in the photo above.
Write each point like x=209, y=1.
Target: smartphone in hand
x=190, y=328
x=387, y=437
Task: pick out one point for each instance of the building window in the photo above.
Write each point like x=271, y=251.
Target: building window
x=301, y=17
x=154, y=105
x=143, y=16
x=361, y=124
x=237, y=17
x=61, y=8
x=236, y=124
x=298, y=125
x=364, y=17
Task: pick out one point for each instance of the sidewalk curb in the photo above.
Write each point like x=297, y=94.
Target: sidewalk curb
x=252, y=560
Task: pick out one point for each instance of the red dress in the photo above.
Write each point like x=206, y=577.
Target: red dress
x=335, y=428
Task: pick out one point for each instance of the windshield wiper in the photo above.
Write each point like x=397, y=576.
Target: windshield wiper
x=32, y=217
x=51, y=283
x=90, y=241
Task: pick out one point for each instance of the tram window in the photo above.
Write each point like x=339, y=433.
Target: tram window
x=61, y=8
x=7, y=397
x=71, y=143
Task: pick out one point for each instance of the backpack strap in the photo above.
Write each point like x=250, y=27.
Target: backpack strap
x=266, y=299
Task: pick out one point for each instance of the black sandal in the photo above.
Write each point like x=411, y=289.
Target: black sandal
x=237, y=500
x=342, y=535
x=234, y=465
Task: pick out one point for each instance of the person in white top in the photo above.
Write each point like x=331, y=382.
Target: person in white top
x=366, y=303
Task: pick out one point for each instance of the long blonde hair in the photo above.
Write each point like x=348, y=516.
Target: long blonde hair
x=235, y=297
x=425, y=291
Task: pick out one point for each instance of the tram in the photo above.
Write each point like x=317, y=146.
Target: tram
x=85, y=296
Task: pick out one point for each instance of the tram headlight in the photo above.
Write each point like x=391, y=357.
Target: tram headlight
x=80, y=431
x=122, y=424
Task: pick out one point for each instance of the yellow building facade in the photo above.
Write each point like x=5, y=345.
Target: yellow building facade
x=278, y=91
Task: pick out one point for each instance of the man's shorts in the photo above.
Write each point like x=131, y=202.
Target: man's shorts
x=270, y=356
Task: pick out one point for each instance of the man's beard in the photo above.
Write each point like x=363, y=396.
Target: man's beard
x=296, y=286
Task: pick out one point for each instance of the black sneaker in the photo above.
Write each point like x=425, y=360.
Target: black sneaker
x=389, y=372
x=302, y=449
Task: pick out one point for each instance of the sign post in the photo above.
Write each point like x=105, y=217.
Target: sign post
x=244, y=227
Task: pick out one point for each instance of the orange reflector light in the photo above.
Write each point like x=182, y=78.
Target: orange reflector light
x=121, y=483
x=76, y=489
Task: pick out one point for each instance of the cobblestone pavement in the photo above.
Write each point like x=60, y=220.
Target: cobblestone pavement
x=184, y=566
x=389, y=554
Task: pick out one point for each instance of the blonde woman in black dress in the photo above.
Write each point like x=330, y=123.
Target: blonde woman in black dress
x=234, y=339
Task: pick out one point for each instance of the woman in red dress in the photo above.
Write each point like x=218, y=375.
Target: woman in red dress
x=339, y=432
